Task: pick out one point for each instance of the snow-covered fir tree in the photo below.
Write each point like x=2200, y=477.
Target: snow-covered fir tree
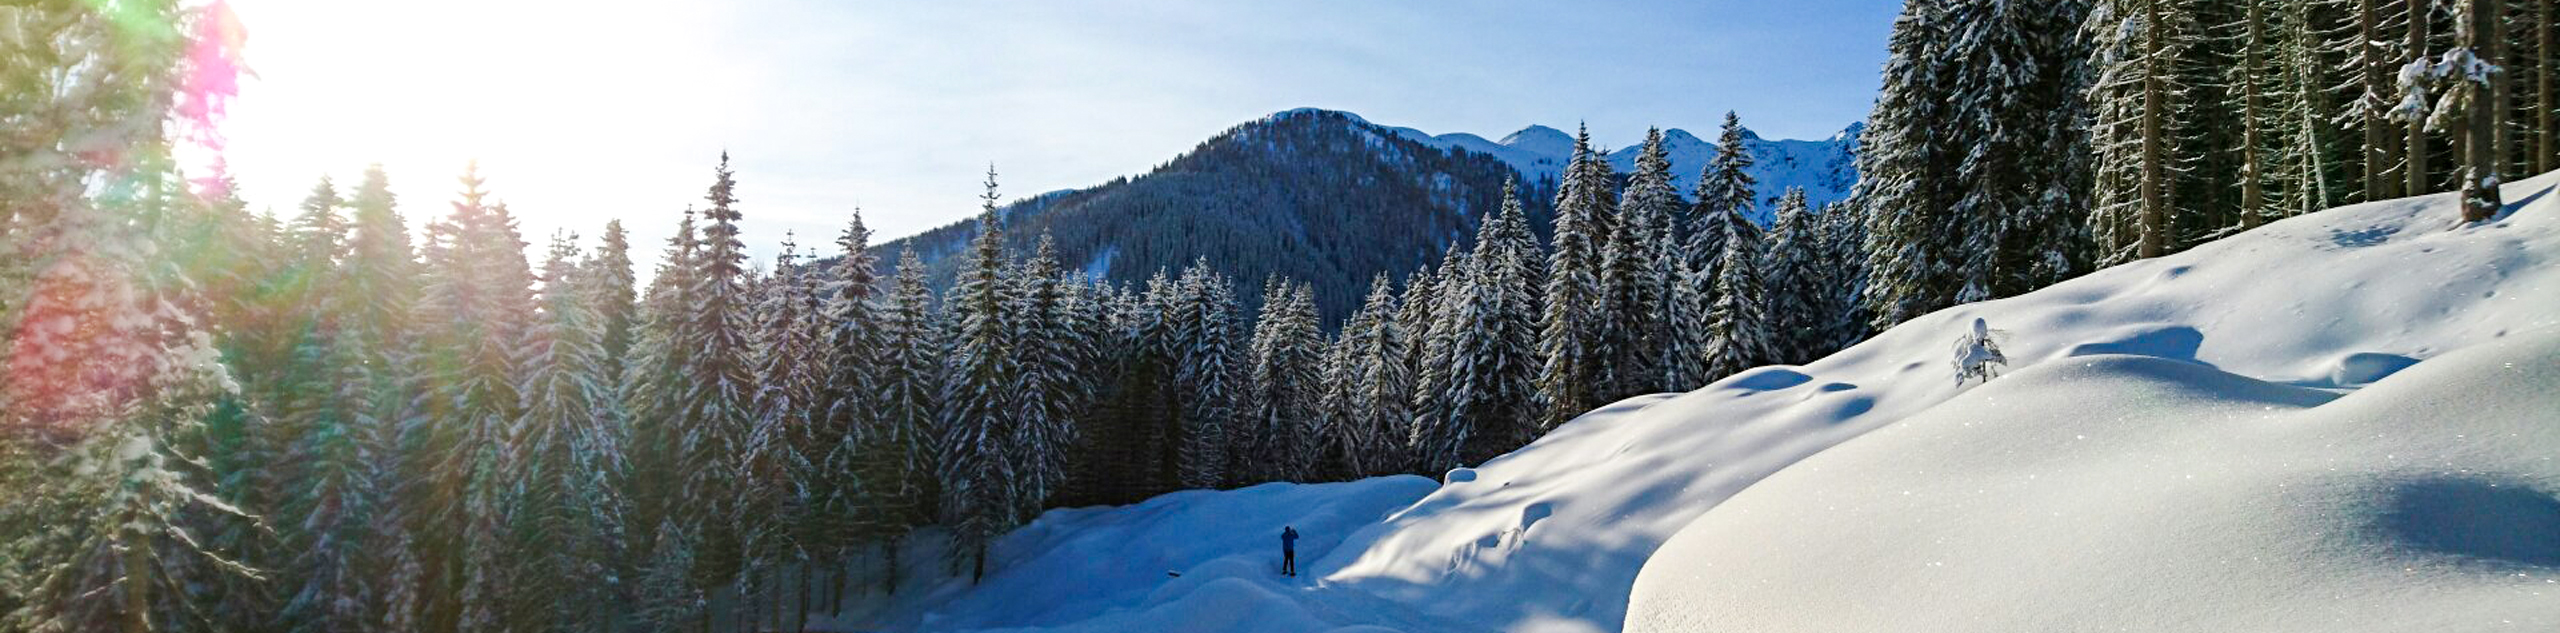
x=847, y=326
x=1636, y=276
x=2017, y=104
x=1048, y=346
x=715, y=417
x=617, y=303
x=893, y=455
x=381, y=287
x=1726, y=186
x=1368, y=436
x=1570, y=374
x=476, y=308
x=978, y=475
x=1282, y=391
x=786, y=454
x=1202, y=341
x=1476, y=394
x=1842, y=227
x=655, y=388
x=1904, y=168
x=1792, y=284
x=1736, y=323
x=563, y=532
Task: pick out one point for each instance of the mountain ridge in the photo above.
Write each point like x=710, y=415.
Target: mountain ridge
x=1330, y=198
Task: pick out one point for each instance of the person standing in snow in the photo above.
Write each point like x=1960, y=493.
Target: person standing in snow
x=1288, y=551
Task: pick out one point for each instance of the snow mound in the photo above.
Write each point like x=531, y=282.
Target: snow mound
x=2136, y=493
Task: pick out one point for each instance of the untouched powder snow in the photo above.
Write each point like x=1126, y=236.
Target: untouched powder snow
x=2139, y=493
x=2226, y=362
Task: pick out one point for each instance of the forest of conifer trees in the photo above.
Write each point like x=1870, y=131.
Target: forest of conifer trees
x=219, y=420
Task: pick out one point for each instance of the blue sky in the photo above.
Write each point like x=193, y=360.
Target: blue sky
x=584, y=110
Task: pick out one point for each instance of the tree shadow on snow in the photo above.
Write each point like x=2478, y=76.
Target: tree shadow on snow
x=2477, y=521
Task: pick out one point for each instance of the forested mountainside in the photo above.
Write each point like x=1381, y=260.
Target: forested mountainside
x=1314, y=196
x=1330, y=198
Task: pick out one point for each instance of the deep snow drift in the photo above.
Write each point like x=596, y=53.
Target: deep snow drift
x=2138, y=493
x=2260, y=328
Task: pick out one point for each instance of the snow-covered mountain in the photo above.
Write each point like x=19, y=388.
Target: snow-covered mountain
x=1825, y=168
x=2341, y=421
x=1329, y=198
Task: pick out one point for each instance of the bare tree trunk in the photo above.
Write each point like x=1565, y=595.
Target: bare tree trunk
x=2377, y=145
x=2480, y=184
x=2416, y=165
x=2253, y=161
x=137, y=584
x=2502, y=147
x=741, y=610
x=2547, y=137
x=2154, y=219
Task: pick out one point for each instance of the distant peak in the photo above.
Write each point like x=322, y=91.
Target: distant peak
x=1317, y=112
x=1855, y=129
x=1540, y=139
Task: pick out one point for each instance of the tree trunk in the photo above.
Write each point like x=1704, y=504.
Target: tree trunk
x=2154, y=220
x=2502, y=145
x=2416, y=164
x=137, y=584
x=2480, y=183
x=2377, y=145
x=2253, y=161
x=2547, y=137
x=800, y=622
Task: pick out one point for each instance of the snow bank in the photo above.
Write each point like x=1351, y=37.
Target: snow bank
x=2268, y=323
x=1189, y=561
x=2137, y=493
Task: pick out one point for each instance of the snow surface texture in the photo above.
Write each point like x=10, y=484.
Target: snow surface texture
x=2140, y=493
x=2223, y=362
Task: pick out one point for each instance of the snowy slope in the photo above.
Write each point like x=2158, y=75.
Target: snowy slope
x=2118, y=492
x=1552, y=537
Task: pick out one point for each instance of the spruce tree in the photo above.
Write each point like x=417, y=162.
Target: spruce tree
x=1281, y=403
x=1476, y=392
x=1052, y=394
x=1570, y=378
x=787, y=480
x=978, y=399
x=475, y=311
x=1737, y=323
x=1727, y=186
x=1791, y=284
x=848, y=372
x=1905, y=168
x=893, y=461
x=1378, y=385
x=1842, y=227
x=1636, y=277
x=617, y=303
x=655, y=388
x=562, y=537
x=715, y=418
x=380, y=285
x=1202, y=340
